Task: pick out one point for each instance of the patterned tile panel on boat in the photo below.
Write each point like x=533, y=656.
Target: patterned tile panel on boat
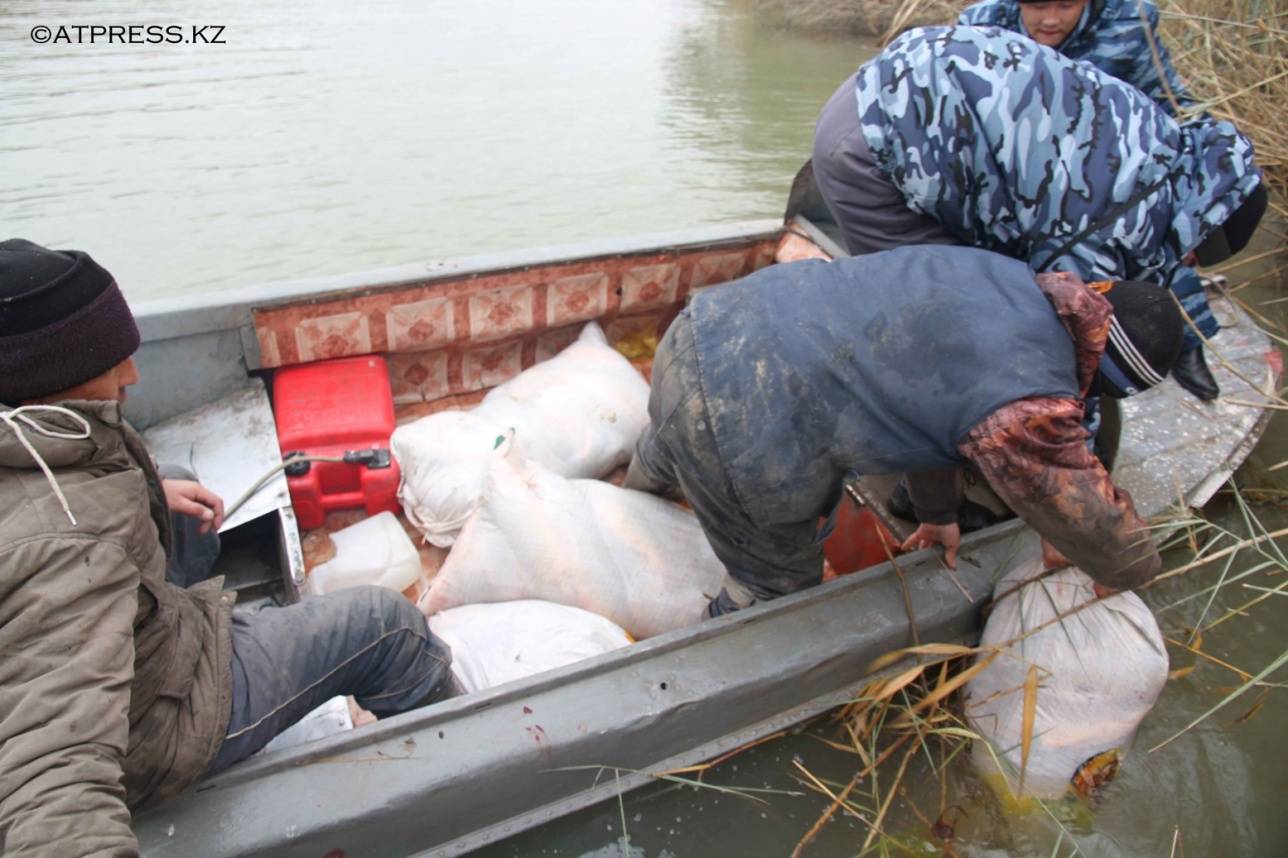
x=417, y=325
x=553, y=342
x=333, y=336
x=498, y=313
x=762, y=255
x=269, y=354
x=406, y=413
x=419, y=376
x=543, y=306
x=713, y=268
x=648, y=286
x=488, y=367
x=577, y=298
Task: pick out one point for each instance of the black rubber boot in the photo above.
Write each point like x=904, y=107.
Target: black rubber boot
x=1191, y=372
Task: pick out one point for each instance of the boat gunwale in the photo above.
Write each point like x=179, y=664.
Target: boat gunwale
x=189, y=315
x=393, y=727
x=635, y=672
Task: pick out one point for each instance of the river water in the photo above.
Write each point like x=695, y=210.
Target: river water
x=333, y=137
x=326, y=138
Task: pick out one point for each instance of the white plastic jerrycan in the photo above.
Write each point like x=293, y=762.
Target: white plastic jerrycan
x=376, y=550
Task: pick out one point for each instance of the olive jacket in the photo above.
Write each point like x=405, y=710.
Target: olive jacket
x=114, y=684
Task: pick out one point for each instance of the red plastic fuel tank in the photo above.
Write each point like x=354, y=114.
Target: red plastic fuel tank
x=858, y=540
x=331, y=408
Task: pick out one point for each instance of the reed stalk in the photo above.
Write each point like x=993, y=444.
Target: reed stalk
x=1233, y=57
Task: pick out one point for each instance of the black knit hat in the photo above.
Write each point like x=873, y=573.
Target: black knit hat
x=63, y=321
x=1145, y=334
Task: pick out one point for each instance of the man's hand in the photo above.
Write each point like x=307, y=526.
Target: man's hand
x=926, y=535
x=186, y=497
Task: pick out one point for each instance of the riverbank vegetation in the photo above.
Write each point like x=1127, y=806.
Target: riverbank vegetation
x=906, y=729
x=1233, y=54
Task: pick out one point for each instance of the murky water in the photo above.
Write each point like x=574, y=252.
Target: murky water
x=327, y=137
x=333, y=137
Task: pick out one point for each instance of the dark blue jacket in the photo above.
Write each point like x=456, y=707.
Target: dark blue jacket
x=877, y=364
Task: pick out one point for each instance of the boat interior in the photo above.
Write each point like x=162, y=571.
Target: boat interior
x=447, y=333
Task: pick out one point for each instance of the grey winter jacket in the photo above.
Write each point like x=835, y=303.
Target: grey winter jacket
x=114, y=684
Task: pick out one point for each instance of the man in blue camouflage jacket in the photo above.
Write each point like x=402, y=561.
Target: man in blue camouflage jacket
x=1115, y=36
x=980, y=136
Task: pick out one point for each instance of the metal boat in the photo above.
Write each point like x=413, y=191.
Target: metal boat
x=459, y=774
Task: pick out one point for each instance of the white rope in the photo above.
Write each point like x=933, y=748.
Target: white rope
x=17, y=416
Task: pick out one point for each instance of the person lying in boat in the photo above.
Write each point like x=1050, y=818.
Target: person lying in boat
x=119, y=688
x=769, y=392
x=978, y=136
x=1119, y=37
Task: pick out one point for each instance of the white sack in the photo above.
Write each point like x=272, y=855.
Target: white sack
x=497, y=643
x=1100, y=672
x=443, y=459
x=328, y=719
x=632, y=557
x=578, y=414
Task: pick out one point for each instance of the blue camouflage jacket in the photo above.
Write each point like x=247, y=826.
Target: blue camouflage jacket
x=1111, y=36
x=1018, y=149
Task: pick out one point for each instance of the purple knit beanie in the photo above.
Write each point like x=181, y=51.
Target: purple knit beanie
x=63, y=321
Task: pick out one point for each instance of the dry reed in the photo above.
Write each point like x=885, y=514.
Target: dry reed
x=847, y=18
x=1234, y=59
x=1232, y=54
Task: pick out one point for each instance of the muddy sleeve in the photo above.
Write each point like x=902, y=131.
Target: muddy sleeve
x=1034, y=454
x=66, y=632
x=936, y=495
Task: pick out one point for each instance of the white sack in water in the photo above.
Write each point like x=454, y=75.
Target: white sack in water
x=1100, y=672
x=497, y=643
x=632, y=557
x=578, y=414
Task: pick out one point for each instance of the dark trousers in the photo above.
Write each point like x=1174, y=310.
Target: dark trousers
x=677, y=454
x=368, y=642
x=192, y=553
x=365, y=641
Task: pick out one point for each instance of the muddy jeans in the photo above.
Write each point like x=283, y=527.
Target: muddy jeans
x=365, y=641
x=677, y=453
x=368, y=642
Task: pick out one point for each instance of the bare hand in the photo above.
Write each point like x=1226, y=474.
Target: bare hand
x=186, y=497
x=1052, y=558
x=1102, y=591
x=926, y=535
